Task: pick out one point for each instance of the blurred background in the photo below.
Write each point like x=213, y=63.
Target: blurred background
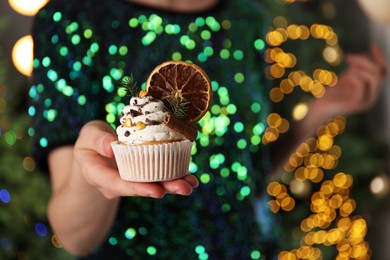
x=315, y=34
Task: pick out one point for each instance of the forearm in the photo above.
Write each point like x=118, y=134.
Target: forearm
x=78, y=213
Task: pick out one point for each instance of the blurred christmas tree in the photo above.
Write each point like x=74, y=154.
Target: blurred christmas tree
x=24, y=192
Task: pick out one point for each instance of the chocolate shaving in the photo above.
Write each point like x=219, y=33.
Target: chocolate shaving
x=181, y=127
x=135, y=113
x=152, y=122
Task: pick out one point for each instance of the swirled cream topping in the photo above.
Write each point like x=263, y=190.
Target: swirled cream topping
x=142, y=121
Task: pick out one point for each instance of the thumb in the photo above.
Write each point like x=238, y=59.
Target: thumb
x=96, y=136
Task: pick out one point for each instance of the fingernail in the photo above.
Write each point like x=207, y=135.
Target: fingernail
x=182, y=193
x=156, y=196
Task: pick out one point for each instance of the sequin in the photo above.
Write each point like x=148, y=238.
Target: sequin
x=31, y=111
x=130, y=233
x=57, y=16
x=87, y=46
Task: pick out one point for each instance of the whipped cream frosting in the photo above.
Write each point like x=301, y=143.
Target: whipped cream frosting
x=142, y=121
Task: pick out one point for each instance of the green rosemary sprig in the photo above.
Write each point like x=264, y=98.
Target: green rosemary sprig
x=178, y=107
x=130, y=85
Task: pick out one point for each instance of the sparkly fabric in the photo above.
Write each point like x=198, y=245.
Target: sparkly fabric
x=82, y=48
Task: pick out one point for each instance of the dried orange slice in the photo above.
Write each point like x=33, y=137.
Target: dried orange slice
x=183, y=81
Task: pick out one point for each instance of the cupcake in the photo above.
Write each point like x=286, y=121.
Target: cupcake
x=157, y=127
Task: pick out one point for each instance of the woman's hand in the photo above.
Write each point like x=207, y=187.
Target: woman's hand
x=96, y=160
x=358, y=87
x=357, y=90
x=86, y=189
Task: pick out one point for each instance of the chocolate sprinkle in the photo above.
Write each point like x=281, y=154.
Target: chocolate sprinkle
x=135, y=113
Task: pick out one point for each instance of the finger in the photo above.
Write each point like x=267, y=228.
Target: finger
x=350, y=90
x=371, y=81
x=367, y=78
x=127, y=188
x=178, y=186
x=362, y=63
x=97, y=136
x=360, y=96
x=192, y=180
x=106, y=178
x=379, y=58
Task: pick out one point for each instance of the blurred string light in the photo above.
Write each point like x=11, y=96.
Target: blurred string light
x=22, y=55
x=299, y=111
x=330, y=222
x=22, y=52
x=27, y=7
x=276, y=126
x=282, y=63
x=29, y=164
x=380, y=185
x=282, y=67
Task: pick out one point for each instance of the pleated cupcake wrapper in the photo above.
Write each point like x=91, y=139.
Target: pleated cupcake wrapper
x=156, y=162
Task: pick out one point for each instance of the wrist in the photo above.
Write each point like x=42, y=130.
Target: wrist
x=78, y=184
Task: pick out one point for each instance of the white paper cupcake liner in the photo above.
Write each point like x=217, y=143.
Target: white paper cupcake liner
x=150, y=163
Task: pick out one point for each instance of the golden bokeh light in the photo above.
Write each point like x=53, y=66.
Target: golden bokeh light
x=340, y=179
x=294, y=31
x=29, y=164
x=277, y=71
x=303, y=150
x=325, y=142
x=276, y=126
x=331, y=222
x=27, y=7
x=286, y=86
x=300, y=188
x=305, y=82
x=274, y=120
x=274, y=206
x=294, y=161
x=332, y=55
x=287, y=255
x=300, y=111
x=280, y=22
x=326, y=77
x=275, y=38
x=305, y=32
x=22, y=55
x=287, y=204
x=276, y=95
x=270, y=135
x=284, y=126
x=380, y=185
